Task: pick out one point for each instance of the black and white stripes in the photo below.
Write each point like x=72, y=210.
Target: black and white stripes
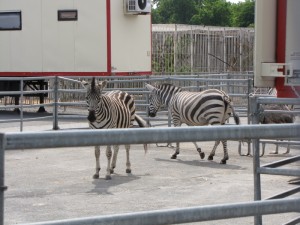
x=210, y=107
x=114, y=109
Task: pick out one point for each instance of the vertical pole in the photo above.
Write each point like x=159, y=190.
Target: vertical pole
x=147, y=101
x=208, y=50
x=2, y=169
x=192, y=50
x=256, y=160
x=224, y=50
x=55, y=104
x=175, y=48
x=21, y=101
x=250, y=81
x=241, y=49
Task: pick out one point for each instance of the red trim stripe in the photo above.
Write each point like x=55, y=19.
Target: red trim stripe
x=70, y=74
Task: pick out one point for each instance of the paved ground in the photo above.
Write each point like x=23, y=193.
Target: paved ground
x=54, y=184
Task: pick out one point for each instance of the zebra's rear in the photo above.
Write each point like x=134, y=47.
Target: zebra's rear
x=200, y=108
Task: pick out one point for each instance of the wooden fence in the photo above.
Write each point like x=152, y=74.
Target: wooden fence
x=187, y=49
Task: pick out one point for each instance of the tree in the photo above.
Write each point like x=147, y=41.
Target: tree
x=212, y=13
x=173, y=11
x=204, y=12
x=243, y=14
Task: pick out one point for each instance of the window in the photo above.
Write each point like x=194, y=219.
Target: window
x=10, y=20
x=67, y=15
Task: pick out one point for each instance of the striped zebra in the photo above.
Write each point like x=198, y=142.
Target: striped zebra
x=114, y=109
x=210, y=107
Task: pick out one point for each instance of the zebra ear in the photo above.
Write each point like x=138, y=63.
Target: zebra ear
x=84, y=83
x=103, y=84
x=149, y=87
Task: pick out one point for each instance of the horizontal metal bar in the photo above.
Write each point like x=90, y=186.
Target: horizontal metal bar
x=282, y=111
x=295, y=221
x=280, y=142
x=282, y=162
x=28, y=119
x=188, y=215
x=285, y=194
x=275, y=171
x=148, y=135
x=283, y=101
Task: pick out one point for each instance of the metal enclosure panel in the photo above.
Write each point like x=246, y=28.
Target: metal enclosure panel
x=21, y=50
x=91, y=36
x=47, y=45
x=131, y=41
x=58, y=37
x=265, y=40
x=75, y=46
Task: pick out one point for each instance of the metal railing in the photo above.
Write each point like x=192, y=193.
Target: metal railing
x=53, y=139
x=238, y=88
x=271, y=168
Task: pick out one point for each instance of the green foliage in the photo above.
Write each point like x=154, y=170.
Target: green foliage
x=243, y=14
x=204, y=12
x=212, y=13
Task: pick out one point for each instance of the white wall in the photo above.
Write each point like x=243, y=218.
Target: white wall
x=131, y=40
x=47, y=45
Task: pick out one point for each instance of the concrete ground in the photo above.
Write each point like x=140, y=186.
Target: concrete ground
x=56, y=184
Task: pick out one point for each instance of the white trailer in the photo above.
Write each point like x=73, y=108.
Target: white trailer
x=75, y=37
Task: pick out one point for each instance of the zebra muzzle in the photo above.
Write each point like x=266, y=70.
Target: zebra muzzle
x=151, y=114
x=91, y=117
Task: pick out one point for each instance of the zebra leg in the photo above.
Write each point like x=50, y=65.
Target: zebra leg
x=128, y=164
x=174, y=156
x=212, y=153
x=114, y=159
x=97, y=156
x=288, y=148
x=226, y=157
x=108, y=155
x=202, y=155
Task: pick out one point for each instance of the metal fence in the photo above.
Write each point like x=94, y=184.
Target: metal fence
x=67, y=96
x=189, y=49
x=52, y=139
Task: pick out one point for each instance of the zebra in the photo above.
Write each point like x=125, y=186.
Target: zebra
x=113, y=109
x=210, y=107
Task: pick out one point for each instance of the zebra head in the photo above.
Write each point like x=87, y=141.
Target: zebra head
x=155, y=101
x=93, y=96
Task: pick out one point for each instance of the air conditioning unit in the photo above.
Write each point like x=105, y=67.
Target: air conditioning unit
x=137, y=7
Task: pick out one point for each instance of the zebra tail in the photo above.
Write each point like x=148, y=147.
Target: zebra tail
x=235, y=116
x=142, y=123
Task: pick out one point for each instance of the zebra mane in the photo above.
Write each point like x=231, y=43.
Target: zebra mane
x=93, y=85
x=168, y=85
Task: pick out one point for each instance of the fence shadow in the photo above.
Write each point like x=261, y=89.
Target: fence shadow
x=102, y=186
x=203, y=163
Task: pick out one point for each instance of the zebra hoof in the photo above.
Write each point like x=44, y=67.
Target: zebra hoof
x=96, y=176
x=174, y=157
x=202, y=155
x=107, y=177
x=111, y=170
x=128, y=170
x=223, y=161
x=210, y=158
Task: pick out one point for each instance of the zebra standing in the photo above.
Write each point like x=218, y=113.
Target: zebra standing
x=210, y=107
x=114, y=109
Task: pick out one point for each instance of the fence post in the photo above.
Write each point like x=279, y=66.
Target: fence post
x=21, y=105
x=256, y=161
x=2, y=169
x=55, y=104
